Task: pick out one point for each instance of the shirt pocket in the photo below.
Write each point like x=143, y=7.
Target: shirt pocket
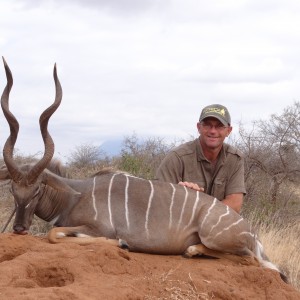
x=219, y=188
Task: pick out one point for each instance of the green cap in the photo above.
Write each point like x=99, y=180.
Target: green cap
x=217, y=111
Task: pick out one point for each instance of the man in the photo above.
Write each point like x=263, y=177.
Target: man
x=207, y=164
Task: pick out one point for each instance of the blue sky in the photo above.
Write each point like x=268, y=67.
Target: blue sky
x=145, y=67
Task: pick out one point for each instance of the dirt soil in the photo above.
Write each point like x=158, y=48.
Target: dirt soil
x=31, y=268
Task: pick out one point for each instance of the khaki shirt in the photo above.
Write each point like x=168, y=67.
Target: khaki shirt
x=188, y=163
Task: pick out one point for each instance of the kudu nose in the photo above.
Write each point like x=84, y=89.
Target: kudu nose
x=19, y=229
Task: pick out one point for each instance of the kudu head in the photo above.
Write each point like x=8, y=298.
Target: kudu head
x=26, y=183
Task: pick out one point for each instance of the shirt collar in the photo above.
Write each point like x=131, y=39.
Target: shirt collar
x=200, y=155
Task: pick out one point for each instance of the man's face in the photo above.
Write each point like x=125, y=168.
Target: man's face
x=213, y=132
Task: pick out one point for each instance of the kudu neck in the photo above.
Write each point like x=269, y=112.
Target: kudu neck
x=51, y=204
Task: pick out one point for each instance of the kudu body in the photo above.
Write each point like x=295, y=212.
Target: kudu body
x=143, y=215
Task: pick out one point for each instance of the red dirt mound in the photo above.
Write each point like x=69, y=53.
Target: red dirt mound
x=31, y=268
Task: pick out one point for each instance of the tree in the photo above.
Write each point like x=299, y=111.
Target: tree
x=272, y=151
x=86, y=155
x=142, y=157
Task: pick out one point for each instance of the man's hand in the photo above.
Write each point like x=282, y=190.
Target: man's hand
x=191, y=185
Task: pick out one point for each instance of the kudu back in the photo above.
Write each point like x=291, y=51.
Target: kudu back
x=114, y=207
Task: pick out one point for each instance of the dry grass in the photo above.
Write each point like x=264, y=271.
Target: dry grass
x=282, y=246
x=175, y=289
x=6, y=204
x=278, y=228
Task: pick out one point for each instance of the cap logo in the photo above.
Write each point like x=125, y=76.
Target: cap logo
x=220, y=111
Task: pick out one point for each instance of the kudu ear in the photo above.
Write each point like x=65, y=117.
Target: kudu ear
x=56, y=183
x=4, y=174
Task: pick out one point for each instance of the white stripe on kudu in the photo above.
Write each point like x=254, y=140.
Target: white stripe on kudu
x=231, y=225
x=208, y=211
x=183, y=207
x=194, y=211
x=148, y=209
x=109, y=200
x=94, y=199
x=171, y=205
x=220, y=219
x=126, y=202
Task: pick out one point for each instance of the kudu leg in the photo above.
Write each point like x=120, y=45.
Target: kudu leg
x=77, y=235
x=200, y=249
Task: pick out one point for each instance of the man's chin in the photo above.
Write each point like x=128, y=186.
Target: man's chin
x=214, y=145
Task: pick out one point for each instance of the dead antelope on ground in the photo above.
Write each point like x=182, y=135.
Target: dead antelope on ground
x=141, y=215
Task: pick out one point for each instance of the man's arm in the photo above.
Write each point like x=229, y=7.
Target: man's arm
x=235, y=201
x=170, y=169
